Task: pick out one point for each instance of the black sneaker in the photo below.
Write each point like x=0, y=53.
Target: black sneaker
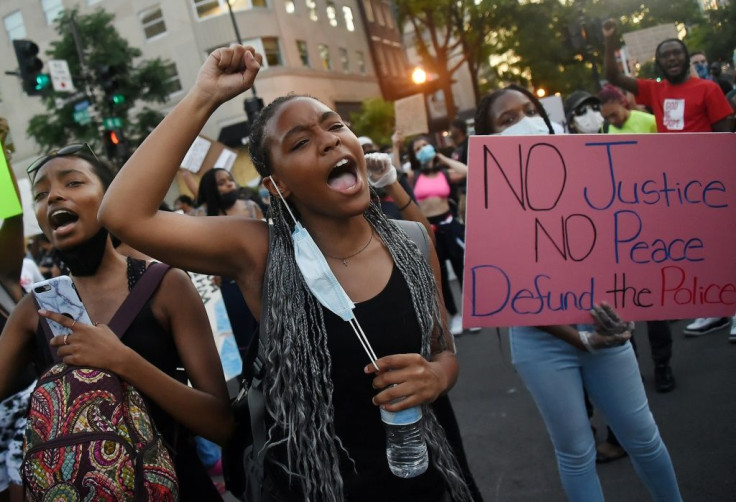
x=663, y=379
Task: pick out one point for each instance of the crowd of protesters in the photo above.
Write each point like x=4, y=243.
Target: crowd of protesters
x=320, y=206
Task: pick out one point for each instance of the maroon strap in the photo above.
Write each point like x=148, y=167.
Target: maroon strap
x=139, y=295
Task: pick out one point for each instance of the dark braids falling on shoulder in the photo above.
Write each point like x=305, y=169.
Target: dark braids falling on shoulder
x=298, y=388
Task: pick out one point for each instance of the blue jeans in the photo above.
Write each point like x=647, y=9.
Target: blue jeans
x=555, y=373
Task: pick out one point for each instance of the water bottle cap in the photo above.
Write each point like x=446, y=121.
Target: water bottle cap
x=403, y=417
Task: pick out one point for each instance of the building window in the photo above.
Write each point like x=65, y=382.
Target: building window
x=210, y=8
x=399, y=61
x=51, y=9
x=312, y=8
x=324, y=55
x=153, y=22
x=14, y=25
x=344, y=62
x=271, y=51
x=388, y=15
x=289, y=6
x=378, y=11
x=368, y=8
x=380, y=61
x=331, y=13
x=301, y=46
x=347, y=13
x=389, y=55
x=173, y=78
x=360, y=58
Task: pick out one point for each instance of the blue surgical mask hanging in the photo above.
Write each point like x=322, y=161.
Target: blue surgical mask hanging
x=321, y=281
x=318, y=275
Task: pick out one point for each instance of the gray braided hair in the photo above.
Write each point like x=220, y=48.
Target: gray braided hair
x=297, y=386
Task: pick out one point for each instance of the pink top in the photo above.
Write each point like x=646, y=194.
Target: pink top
x=435, y=186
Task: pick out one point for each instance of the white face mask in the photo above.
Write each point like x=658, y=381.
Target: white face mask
x=589, y=123
x=526, y=126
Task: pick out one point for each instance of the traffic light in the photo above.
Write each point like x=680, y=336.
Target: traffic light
x=116, y=145
x=29, y=67
x=110, y=80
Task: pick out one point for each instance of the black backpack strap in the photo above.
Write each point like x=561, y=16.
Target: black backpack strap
x=137, y=298
x=128, y=310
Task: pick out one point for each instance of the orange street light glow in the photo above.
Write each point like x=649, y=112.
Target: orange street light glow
x=418, y=76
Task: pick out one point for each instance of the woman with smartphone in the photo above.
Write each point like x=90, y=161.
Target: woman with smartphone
x=171, y=330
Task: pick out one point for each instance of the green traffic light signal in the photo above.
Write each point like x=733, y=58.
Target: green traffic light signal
x=29, y=67
x=118, y=99
x=42, y=81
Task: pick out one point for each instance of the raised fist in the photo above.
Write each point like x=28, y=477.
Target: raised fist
x=381, y=171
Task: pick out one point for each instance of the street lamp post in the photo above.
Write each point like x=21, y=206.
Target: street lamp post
x=254, y=104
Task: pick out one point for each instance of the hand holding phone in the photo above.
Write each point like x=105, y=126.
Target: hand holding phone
x=59, y=295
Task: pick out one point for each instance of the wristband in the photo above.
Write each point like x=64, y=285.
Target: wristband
x=585, y=338
x=405, y=205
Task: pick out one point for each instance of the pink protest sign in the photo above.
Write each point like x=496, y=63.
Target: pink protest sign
x=557, y=223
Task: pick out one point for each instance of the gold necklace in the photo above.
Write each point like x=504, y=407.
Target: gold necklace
x=346, y=258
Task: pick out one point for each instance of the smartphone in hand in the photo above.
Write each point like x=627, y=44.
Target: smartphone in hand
x=59, y=295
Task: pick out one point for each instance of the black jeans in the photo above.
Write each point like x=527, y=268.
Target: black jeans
x=449, y=237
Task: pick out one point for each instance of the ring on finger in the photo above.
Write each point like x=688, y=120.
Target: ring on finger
x=73, y=323
x=66, y=339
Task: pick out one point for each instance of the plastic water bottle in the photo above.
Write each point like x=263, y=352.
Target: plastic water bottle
x=406, y=449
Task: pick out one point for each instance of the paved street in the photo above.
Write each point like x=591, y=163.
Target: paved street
x=511, y=455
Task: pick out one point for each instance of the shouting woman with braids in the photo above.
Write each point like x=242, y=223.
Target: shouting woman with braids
x=325, y=437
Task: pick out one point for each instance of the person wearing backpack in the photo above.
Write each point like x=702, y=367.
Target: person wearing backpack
x=170, y=330
x=322, y=396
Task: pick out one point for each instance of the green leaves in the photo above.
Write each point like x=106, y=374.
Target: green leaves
x=134, y=81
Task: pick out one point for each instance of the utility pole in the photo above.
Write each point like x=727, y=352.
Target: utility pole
x=87, y=89
x=252, y=105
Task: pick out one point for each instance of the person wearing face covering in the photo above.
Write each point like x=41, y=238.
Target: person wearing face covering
x=331, y=281
x=680, y=102
x=219, y=192
x=583, y=113
x=435, y=183
x=557, y=362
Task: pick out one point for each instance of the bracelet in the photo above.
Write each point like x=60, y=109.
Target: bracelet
x=585, y=338
x=405, y=205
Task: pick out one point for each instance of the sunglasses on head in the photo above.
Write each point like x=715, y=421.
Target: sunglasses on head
x=582, y=109
x=72, y=149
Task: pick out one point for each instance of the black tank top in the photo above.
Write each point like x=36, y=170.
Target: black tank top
x=156, y=345
x=389, y=322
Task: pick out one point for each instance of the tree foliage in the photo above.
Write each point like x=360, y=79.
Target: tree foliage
x=532, y=40
x=435, y=40
x=144, y=80
x=717, y=35
x=376, y=120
